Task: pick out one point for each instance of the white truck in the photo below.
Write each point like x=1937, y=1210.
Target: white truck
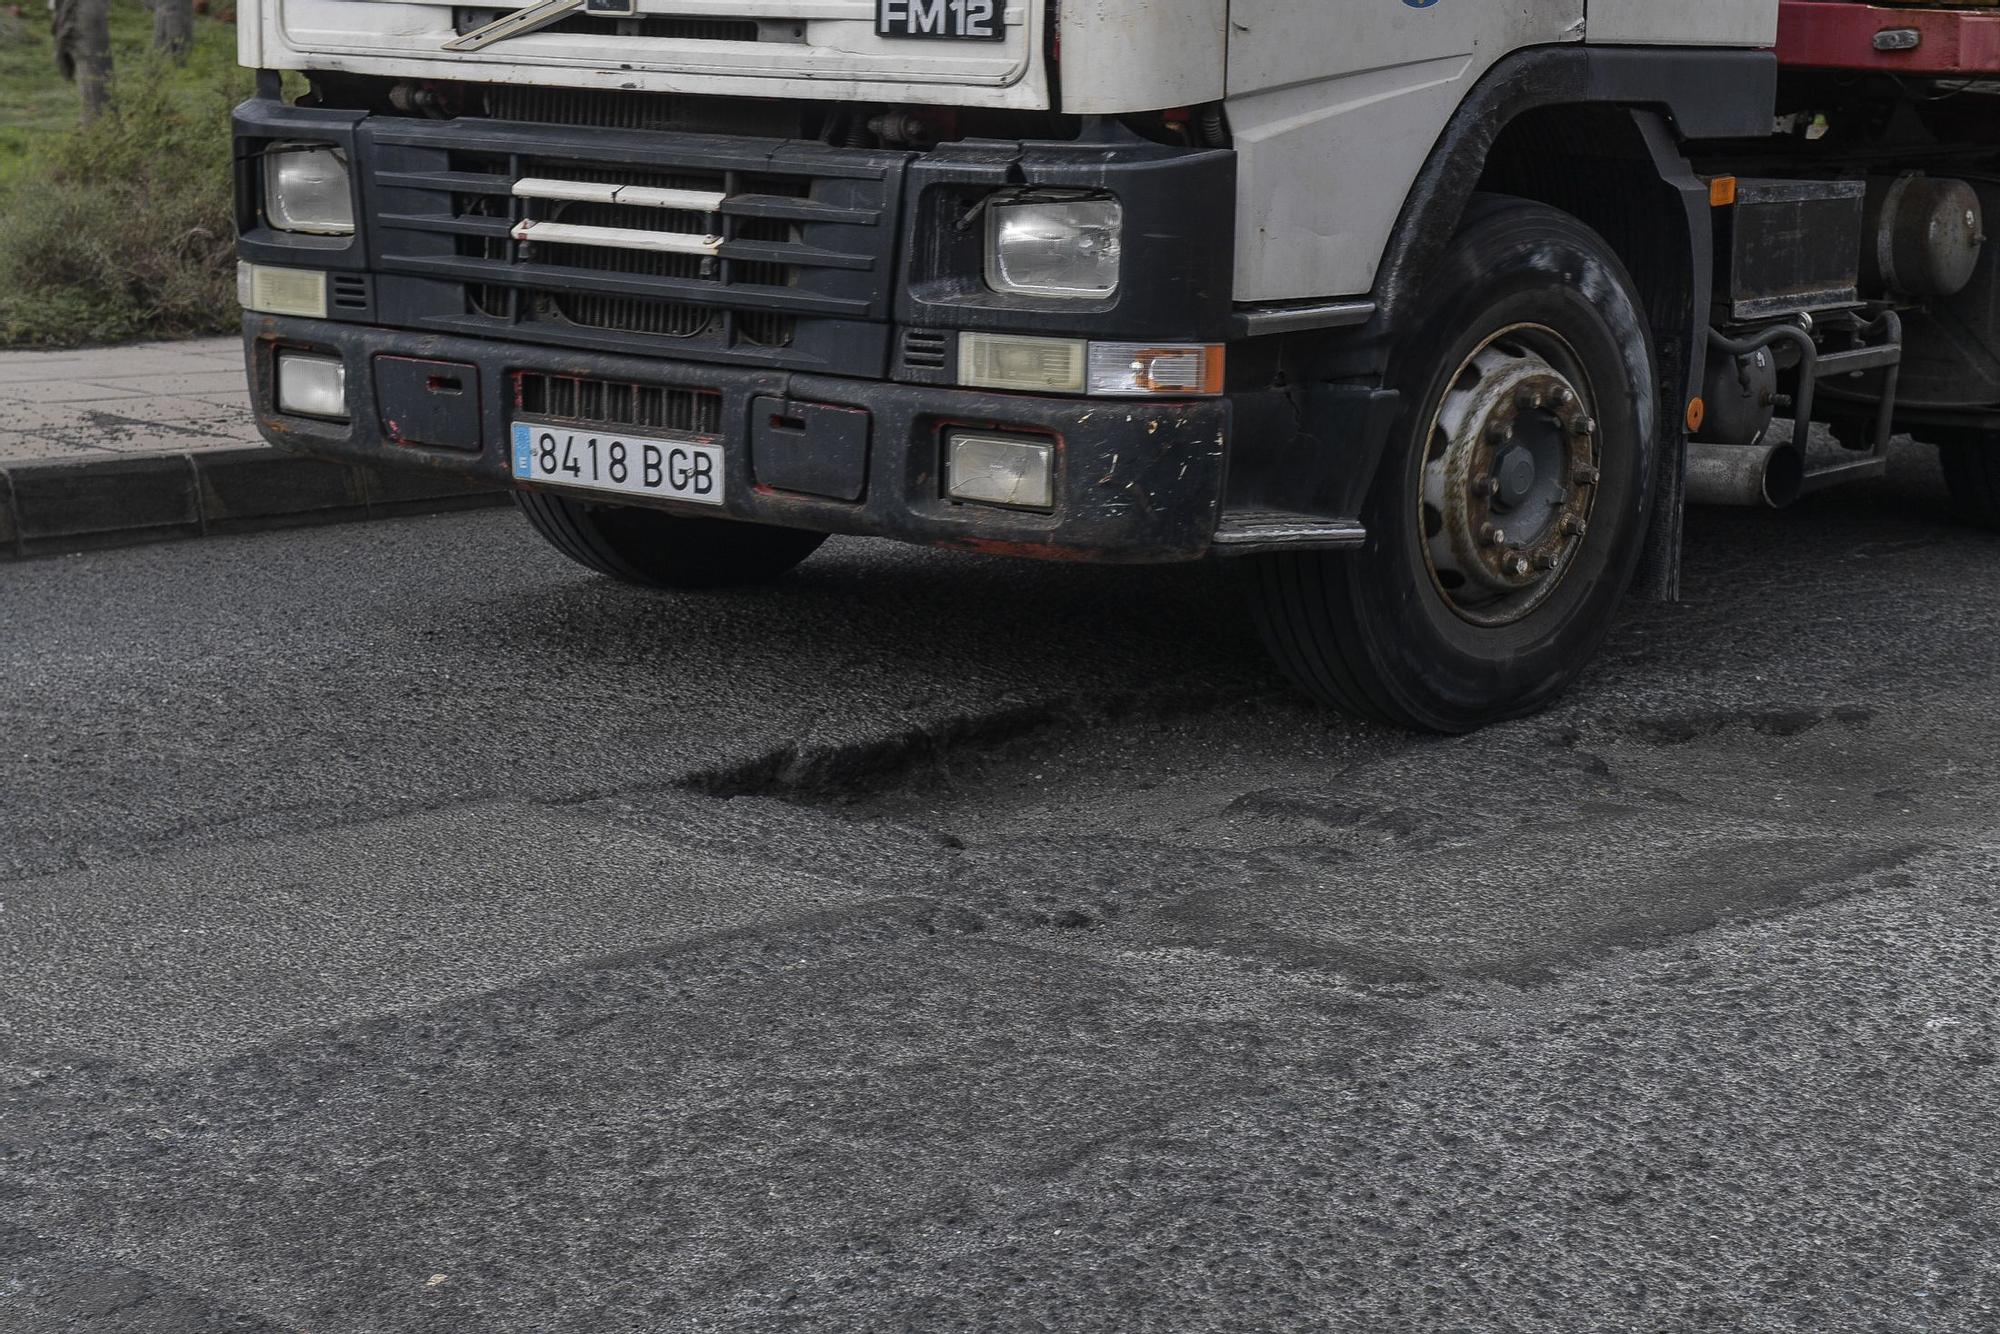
x=1431, y=313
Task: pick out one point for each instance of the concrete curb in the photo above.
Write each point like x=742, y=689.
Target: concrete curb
x=55, y=505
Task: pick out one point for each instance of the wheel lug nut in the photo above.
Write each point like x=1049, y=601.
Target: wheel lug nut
x=1545, y=561
x=1574, y=526
x=1585, y=426
x=1490, y=487
x=1491, y=536
x=1586, y=476
x=1500, y=432
x=1561, y=396
x=1526, y=398
x=1517, y=566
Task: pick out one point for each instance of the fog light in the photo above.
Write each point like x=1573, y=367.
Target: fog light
x=1140, y=368
x=1008, y=361
x=1000, y=470
x=276, y=291
x=312, y=386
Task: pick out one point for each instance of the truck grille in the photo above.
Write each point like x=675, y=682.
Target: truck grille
x=718, y=247
x=648, y=407
x=662, y=319
x=605, y=110
x=653, y=27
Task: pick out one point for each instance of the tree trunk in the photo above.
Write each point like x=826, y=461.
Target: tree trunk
x=173, y=27
x=83, y=49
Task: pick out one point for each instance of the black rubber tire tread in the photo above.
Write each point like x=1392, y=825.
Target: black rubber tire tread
x=556, y=526
x=1325, y=617
x=1972, y=475
x=658, y=550
x=1289, y=590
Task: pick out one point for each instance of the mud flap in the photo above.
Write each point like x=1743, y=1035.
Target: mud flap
x=1680, y=337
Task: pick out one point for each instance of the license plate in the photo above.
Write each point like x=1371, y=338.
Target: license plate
x=957, y=20
x=628, y=465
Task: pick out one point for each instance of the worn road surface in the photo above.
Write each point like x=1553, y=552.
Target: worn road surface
x=401, y=929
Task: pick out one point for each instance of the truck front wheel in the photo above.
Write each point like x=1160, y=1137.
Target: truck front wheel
x=1507, y=516
x=658, y=550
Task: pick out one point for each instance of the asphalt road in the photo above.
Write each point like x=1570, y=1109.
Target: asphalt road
x=401, y=929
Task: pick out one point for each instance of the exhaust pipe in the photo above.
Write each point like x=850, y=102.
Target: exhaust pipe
x=1773, y=475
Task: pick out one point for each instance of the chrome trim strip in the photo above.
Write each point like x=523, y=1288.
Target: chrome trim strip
x=601, y=192
x=616, y=238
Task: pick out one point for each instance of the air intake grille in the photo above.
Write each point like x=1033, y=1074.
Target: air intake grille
x=598, y=109
x=615, y=403
x=925, y=357
x=350, y=291
x=655, y=27
x=718, y=248
x=632, y=314
x=924, y=350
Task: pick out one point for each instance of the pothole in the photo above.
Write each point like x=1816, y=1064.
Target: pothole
x=1679, y=729
x=835, y=775
x=1067, y=752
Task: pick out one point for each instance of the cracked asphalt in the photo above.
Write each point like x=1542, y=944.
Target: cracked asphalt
x=401, y=929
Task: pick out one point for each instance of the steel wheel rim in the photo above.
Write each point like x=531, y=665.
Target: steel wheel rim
x=1508, y=476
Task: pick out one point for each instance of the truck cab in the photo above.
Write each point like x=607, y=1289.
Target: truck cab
x=1414, y=308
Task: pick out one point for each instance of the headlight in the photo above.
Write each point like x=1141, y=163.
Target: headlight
x=306, y=190
x=1053, y=247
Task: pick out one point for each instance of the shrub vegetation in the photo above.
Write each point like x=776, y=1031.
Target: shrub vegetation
x=121, y=228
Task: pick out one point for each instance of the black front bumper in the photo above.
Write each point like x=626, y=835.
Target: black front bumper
x=1135, y=481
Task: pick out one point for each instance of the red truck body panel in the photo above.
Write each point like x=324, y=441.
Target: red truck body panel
x=1842, y=34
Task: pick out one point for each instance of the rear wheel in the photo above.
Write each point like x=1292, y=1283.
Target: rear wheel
x=1509, y=511
x=659, y=550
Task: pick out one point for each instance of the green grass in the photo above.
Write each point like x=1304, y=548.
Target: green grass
x=37, y=106
x=121, y=229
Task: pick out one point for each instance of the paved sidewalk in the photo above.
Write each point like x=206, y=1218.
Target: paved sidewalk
x=140, y=399
x=107, y=446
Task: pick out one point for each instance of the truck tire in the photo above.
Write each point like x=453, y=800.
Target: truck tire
x=659, y=550
x=1507, y=516
x=1971, y=467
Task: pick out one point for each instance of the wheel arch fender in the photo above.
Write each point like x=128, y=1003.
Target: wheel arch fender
x=1698, y=94
x=1596, y=132
x=1621, y=172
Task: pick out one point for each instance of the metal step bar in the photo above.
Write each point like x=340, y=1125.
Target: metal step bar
x=1880, y=348
x=1255, y=532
